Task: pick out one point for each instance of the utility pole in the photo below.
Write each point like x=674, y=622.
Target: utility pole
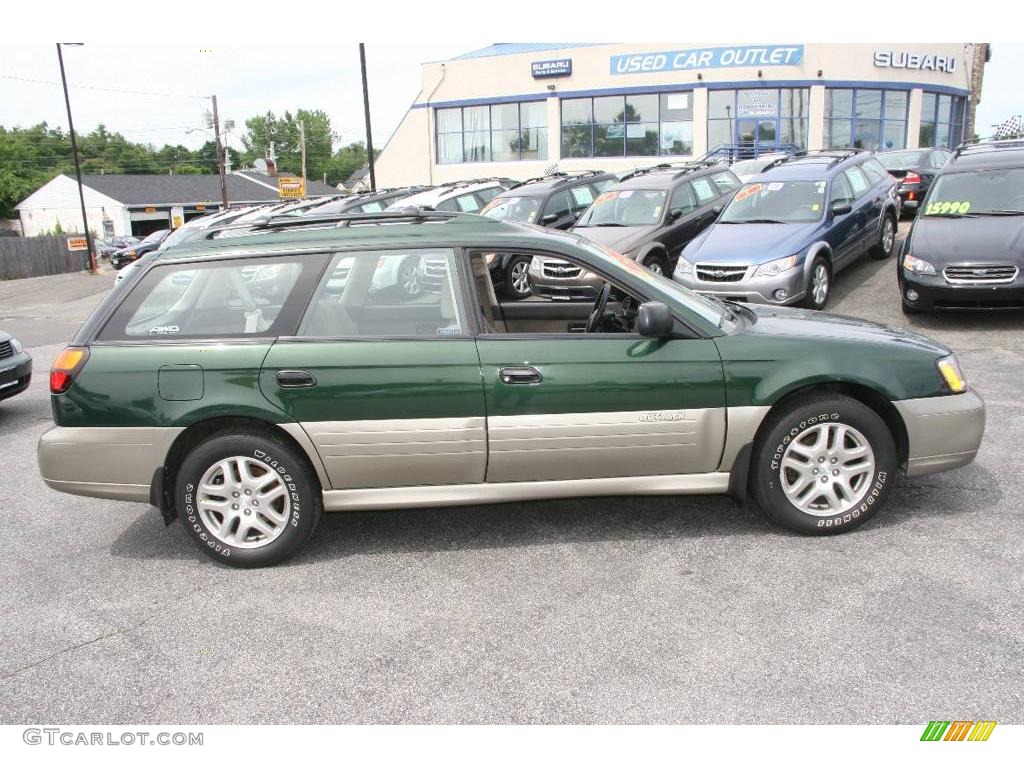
x=90, y=257
x=366, y=115
x=220, y=155
x=302, y=143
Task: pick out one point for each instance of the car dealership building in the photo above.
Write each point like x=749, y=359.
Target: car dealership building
x=517, y=109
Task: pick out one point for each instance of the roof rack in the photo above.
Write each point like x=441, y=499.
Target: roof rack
x=837, y=155
x=559, y=175
x=682, y=167
x=410, y=215
x=987, y=144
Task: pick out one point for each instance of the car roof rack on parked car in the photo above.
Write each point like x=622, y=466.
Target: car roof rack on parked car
x=410, y=215
x=990, y=144
x=559, y=176
x=682, y=168
x=837, y=155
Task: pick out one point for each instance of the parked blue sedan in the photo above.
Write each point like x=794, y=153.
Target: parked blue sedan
x=786, y=233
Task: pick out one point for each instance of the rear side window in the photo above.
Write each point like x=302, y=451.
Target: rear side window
x=858, y=182
x=468, y=203
x=727, y=182
x=409, y=292
x=582, y=197
x=373, y=207
x=558, y=205
x=704, y=190
x=234, y=298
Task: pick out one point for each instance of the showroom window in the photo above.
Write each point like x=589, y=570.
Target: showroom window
x=942, y=120
x=637, y=125
x=865, y=118
x=492, y=133
x=762, y=117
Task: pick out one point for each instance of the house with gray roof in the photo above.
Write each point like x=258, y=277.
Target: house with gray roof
x=137, y=204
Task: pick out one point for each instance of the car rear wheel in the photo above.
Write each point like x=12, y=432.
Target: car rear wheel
x=824, y=464
x=248, y=500
x=517, y=278
x=819, y=286
x=886, y=239
x=657, y=263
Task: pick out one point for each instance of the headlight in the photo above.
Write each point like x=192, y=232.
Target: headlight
x=777, y=267
x=949, y=367
x=16, y=346
x=918, y=266
x=683, y=267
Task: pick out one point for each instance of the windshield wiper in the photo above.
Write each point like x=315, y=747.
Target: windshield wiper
x=605, y=224
x=760, y=221
x=998, y=212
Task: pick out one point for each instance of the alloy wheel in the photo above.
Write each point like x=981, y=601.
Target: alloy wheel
x=409, y=279
x=521, y=277
x=820, y=285
x=827, y=469
x=243, y=502
x=888, y=235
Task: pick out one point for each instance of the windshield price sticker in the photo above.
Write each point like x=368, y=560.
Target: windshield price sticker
x=746, y=192
x=627, y=193
x=606, y=196
x=775, y=186
x=944, y=207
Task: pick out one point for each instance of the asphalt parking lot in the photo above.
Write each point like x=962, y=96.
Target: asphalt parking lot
x=650, y=610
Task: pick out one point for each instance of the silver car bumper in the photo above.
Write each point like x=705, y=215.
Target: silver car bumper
x=944, y=432
x=756, y=290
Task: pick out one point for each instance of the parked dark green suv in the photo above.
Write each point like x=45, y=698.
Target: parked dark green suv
x=248, y=383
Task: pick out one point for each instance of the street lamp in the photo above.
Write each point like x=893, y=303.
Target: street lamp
x=90, y=256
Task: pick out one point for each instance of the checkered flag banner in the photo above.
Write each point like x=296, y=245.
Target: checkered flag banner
x=1010, y=128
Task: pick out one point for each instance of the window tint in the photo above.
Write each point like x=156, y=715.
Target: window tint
x=704, y=190
x=582, y=196
x=726, y=182
x=858, y=182
x=874, y=171
x=237, y=298
x=841, y=192
x=682, y=199
x=559, y=204
x=386, y=293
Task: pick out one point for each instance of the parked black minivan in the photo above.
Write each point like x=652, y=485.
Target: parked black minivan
x=965, y=249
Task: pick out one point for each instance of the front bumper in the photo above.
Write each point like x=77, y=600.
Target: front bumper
x=755, y=290
x=934, y=292
x=15, y=374
x=106, y=462
x=943, y=432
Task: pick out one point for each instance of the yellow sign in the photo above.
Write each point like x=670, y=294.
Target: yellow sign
x=77, y=244
x=200, y=207
x=150, y=209
x=176, y=222
x=291, y=186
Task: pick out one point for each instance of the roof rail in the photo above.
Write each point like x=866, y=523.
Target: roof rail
x=989, y=143
x=410, y=215
x=682, y=168
x=559, y=175
x=837, y=155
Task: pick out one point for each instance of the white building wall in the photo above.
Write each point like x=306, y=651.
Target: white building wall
x=409, y=157
x=58, y=201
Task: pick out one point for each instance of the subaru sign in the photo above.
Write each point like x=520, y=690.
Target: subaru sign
x=708, y=58
x=551, y=68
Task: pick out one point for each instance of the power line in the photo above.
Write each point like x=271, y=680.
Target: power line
x=108, y=90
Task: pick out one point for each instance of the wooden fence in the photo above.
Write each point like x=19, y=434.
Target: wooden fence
x=36, y=256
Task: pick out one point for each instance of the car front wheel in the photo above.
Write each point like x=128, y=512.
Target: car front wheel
x=824, y=465
x=248, y=500
x=820, y=284
x=656, y=263
x=517, y=278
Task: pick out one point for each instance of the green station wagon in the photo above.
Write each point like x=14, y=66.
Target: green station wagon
x=248, y=383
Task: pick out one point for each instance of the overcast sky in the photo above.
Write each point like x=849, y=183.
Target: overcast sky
x=252, y=78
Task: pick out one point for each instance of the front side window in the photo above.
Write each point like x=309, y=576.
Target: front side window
x=494, y=132
x=841, y=192
x=977, y=193
x=874, y=170
x=628, y=126
x=704, y=190
x=727, y=181
x=858, y=182
x=201, y=301
x=776, y=202
x=682, y=200
x=625, y=208
x=386, y=293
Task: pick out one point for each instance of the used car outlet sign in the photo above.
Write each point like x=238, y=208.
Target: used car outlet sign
x=906, y=60
x=708, y=58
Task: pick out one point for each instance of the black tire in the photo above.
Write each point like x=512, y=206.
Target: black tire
x=795, y=420
x=509, y=290
x=878, y=250
x=295, y=477
x=657, y=262
x=809, y=301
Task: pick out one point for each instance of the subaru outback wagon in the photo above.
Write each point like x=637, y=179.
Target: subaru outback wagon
x=248, y=384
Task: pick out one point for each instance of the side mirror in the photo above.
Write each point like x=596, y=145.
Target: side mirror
x=841, y=209
x=654, y=320
x=675, y=213
x=548, y=218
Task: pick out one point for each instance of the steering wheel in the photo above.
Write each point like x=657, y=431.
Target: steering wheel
x=599, y=306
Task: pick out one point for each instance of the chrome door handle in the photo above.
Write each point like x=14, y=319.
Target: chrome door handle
x=295, y=379
x=522, y=374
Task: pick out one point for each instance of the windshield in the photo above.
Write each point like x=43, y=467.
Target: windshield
x=177, y=236
x=899, y=160
x=776, y=202
x=709, y=310
x=625, y=208
x=155, y=236
x=977, y=193
x=513, y=208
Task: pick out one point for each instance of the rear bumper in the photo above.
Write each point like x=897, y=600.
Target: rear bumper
x=15, y=375
x=107, y=462
x=943, y=432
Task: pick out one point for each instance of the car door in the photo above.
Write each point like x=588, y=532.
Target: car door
x=559, y=212
x=842, y=233
x=566, y=406
x=682, y=221
x=386, y=386
x=867, y=209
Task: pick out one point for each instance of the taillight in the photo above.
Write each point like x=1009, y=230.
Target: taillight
x=67, y=365
x=911, y=178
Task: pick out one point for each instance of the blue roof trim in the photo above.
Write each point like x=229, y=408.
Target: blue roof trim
x=689, y=86
x=510, y=49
